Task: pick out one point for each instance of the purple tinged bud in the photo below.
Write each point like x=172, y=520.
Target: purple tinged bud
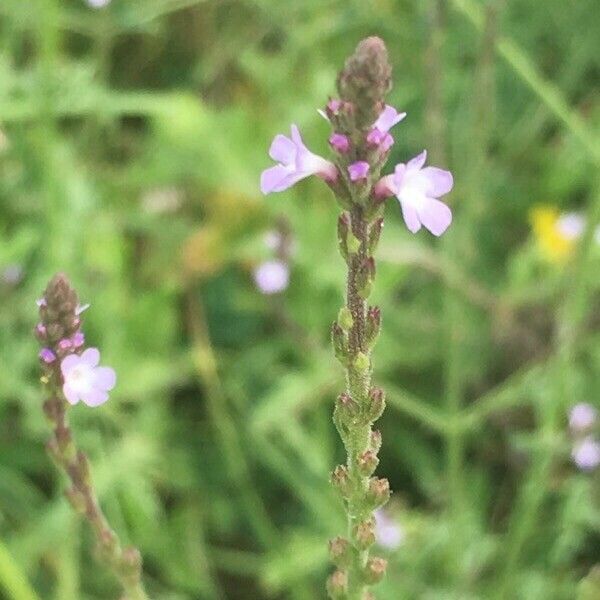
x=376, y=404
x=364, y=534
x=337, y=585
x=64, y=345
x=47, y=356
x=339, y=142
x=379, y=491
x=341, y=480
x=375, y=441
x=41, y=332
x=358, y=170
x=367, y=463
x=334, y=105
x=346, y=407
x=78, y=339
x=375, y=570
x=340, y=552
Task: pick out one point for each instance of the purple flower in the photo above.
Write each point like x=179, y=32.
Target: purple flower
x=85, y=380
x=586, y=454
x=379, y=136
x=272, y=277
x=388, y=532
x=78, y=339
x=296, y=162
x=582, y=417
x=47, y=355
x=358, y=170
x=418, y=190
x=339, y=142
x=333, y=108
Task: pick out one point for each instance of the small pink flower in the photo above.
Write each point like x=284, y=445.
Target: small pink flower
x=84, y=380
x=78, y=339
x=586, y=454
x=64, y=345
x=272, y=277
x=47, y=355
x=418, y=190
x=358, y=170
x=333, y=107
x=296, y=162
x=339, y=142
x=379, y=136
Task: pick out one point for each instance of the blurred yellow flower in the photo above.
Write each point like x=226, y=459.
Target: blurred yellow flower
x=556, y=234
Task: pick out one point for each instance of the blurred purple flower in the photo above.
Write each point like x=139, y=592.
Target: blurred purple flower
x=582, y=416
x=84, y=380
x=388, y=532
x=272, y=277
x=296, y=162
x=47, y=355
x=358, y=170
x=418, y=190
x=586, y=453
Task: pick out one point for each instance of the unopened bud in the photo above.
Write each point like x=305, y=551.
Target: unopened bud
x=364, y=534
x=340, y=552
x=343, y=228
x=365, y=277
x=339, y=339
x=375, y=570
x=367, y=463
x=375, y=234
x=76, y=500
x=345, y=320
x=375, y=441
x=362, y=362
x=341, y=480
x=347, y=408
x=376, y=404
x=373, y=325
x=379, y=492
x=337, y=585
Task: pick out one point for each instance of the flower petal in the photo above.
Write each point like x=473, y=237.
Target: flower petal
x=91, y=357
x=441, y=181
x=94, y=397
x=411, y=218
x=272, y=179
x=70, y=394
x=68, y=362
x=105, y=378
x=297, y=138
x=414, y=164
x=282, y=149
x=435, y=216
x=388, y=118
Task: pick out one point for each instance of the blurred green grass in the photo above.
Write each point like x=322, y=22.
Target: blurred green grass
x=132, y=138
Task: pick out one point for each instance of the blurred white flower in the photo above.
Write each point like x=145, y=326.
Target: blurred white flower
x=582, y=416
x=273, y=239
x=272, y=277
x=98, y=3
x=586, y=453
x=161, y=200
x=12, y=274
x=570, y=225
x=388, y=532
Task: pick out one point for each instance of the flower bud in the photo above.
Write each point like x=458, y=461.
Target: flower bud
x=365, y=277
x=375, y=570
x=337, y=585
x=376, y=404
x=345, y=320
x=76, y=500
x=367, y=463
x=339, y=142
x=374, y=234
x=375, y=441
x=343, y=228
x=341, y=480
x=41, y=332
x=362, y=362
x=340, y=552
x=379, y=492
x=364, y=534
x=347, y=408
x=373, y=325
x=339, y=339
x=131, y=561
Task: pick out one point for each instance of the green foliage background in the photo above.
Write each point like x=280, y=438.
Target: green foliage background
x=132, y=141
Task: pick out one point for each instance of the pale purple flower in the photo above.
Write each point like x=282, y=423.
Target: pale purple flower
x=12, y=274
x=418, y=190
x=379, y=134
x=582, y=417
x=571, y=225
x=333, y=106
x=84, y=380
x=47, y=355
x=339, y=142
x=40, y=330
x=388, y=532
x=78, y=339
x=41, y=302
x=586, y=454
x=272, y=277
x=358, y=170
x=296, y=162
